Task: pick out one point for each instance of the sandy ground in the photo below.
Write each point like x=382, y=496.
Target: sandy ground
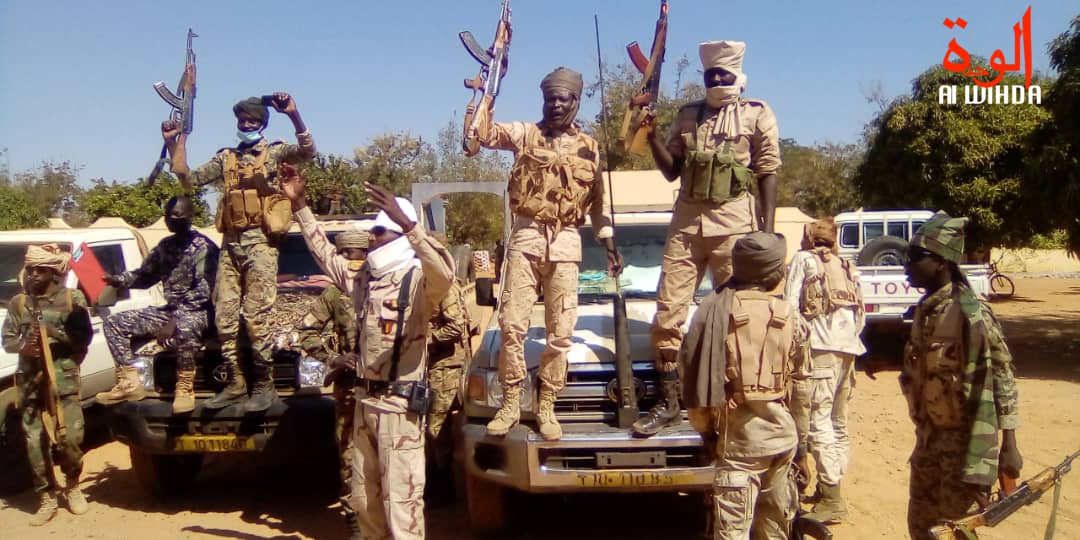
x=237, y=497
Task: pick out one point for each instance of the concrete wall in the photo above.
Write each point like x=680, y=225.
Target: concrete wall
x=1034, y=260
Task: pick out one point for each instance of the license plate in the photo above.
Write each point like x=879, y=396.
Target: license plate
x=213, y=443
x=632, y=479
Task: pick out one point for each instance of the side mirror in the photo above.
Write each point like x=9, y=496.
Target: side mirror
x=485, y=292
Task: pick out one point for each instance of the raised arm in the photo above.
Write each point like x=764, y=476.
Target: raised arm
x=333, y=265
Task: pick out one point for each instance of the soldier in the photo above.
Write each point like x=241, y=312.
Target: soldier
x=334, y=306
x=741, y=348
x=65, y=317
x=185, y=264
x=717, y=147
x=448, y=352
x=252, y=216
x=555, y=181
x=824, y=289
x=394, y=296
x=958, y=381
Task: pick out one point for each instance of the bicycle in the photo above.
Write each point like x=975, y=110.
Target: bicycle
x=1000, y=284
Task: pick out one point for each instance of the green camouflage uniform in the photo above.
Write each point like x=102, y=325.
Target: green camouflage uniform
x=247, y=272
x=447, y=354
x=66, y=310
x=958, y=381
x=335, y=307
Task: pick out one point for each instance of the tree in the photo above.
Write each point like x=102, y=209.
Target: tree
x=53, y=190
x=968, y=160
x=471, y=218
x=818, y=180
x=329, y=175
x=138, y=204
x=395, y=161
x=17, y=211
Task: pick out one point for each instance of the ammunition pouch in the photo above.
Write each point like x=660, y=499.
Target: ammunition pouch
x=249, y=200
x=713, y=177
x=417, y=394
x=550, y=187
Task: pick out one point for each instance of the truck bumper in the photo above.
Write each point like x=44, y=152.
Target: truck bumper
x=589, y=458
x=290, y=423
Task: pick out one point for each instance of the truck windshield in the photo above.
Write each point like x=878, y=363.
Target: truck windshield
x=642, y=248
x=294, y=259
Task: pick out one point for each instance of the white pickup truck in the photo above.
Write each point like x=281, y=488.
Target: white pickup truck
x=118, y=250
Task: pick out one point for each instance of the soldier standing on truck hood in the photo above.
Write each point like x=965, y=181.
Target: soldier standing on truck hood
x=824, y=289
x=555, y=181
x=185, y=263
x=252, y=216
x=958, y=380
x=405, y=276
x=741, y=349
x=718, y=147
x=66, y=319
x=334, y=307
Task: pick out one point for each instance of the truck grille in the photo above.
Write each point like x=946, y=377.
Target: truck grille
x=210, y=369
x=587, y=396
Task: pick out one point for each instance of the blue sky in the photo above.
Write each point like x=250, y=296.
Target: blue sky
x=76, y=76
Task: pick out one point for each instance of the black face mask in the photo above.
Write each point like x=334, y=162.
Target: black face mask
x=178, y=226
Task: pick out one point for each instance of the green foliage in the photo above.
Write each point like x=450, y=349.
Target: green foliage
x=52, y=190
x=968, y=160
x=471, y=218
x=138, y=204
x=818, y=179
x=329, y=176
x=17, y=211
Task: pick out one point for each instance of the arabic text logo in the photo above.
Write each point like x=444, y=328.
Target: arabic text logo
x=987, y=90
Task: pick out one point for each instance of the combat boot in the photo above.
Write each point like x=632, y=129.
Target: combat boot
x=184, y=394
x=46, y=509
x=545, y=416
x=831, y=507
x=263, y=393
x=128, y=388
x=509, y=413
x=235, y=392
x=666, y=412
x=75, y=498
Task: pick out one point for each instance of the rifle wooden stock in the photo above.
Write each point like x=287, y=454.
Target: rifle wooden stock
x=494, y=63
x=53, y=416
x=635, y=139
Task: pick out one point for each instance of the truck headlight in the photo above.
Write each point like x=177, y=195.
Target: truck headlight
x=485, y=389
x=144, y=365
x=310, y=373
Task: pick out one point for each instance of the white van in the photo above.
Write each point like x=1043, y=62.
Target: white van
x=871, y=231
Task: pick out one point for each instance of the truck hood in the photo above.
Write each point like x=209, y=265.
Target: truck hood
x=9, y=362
x=594, y=334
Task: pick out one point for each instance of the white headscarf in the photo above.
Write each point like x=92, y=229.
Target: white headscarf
x=726, y=55
x=395, y=255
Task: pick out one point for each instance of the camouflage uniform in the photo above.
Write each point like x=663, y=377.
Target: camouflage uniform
x=186, y=268
x=247, y=273
x=388, y=474
x=447, y=354
x=545, y=246
x=958, y=381
x=67, y=311
x=336, y=308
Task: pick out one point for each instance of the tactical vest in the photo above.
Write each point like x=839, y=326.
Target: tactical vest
x=832, y=287
x=249, y=200
x=938, y=364
x=550, y=187
x=713, y=176
x=56, y=312
x=759, y=338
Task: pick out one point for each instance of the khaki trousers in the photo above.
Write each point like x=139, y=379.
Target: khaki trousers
x=820, y=407
x=754, y=495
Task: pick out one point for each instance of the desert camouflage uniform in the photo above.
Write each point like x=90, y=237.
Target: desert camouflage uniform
x=702, y=234
x=335, y=307
x=447, y=355
x=956, y=361
x=67, y=311
x=388, y=474
x=247, y=273
x=186, y=270
x=553, y=184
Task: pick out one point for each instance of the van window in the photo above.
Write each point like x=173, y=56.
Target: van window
x=898, y=230
x=872, y=230
x=111, y=257
x=849, y=235
x=915, y=226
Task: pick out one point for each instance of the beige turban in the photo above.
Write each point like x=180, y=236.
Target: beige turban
x=727, y=55
x=48, y=256
x=821, y=232
x=352, y=239
x=563, y=78
x=758, y=256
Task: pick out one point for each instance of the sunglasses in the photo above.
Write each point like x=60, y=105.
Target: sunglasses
x=916, y=254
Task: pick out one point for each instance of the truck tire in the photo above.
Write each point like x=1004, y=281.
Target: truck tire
x=883, y=251
x=487, y=505
x=165, y=474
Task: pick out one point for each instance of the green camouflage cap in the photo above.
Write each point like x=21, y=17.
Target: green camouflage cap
x=942, y=235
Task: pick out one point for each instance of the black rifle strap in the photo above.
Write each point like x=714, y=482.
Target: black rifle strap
x=402, y=304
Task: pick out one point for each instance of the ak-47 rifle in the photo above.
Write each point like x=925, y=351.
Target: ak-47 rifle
x=1008, y=503
x=643, y=102
x=182, y=103
x=53, y=415
x=494, y=62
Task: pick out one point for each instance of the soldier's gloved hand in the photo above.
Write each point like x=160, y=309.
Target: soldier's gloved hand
x=164, y=334
x=114, y=281
x=344, y=361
